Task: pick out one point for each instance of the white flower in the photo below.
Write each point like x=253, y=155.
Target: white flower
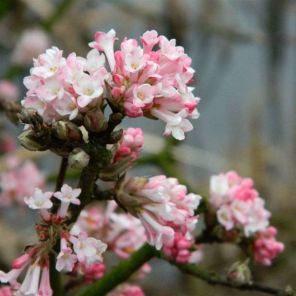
x=88, y=88
x=66, y=260
x=68, y=195
x=88, y=249
x=39, y=200
x=219, y=184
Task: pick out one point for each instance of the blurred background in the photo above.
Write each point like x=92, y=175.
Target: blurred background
x=245, y=59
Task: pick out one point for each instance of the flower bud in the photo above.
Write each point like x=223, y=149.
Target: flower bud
x=67, y=131
x=239, y=273
x=78, y=159
x=30, y=142
x=95, y=121
x=30, y=116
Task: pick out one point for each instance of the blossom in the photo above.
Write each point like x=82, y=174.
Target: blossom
x=131, y=144
x=18, y=180
x=39, y=200
x=31, y=43
x=238, y=204
x=66, y=260
x=104, y=42
x=163, y=206
x=67, y=196
x=6, y=291
x=91, y=272
x=183, y=250
x=151, y=80
x=266, y=247
x=88, y=249
x=123, y=233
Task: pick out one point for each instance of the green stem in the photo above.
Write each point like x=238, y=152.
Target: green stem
x=120, y=273
x=212, y=279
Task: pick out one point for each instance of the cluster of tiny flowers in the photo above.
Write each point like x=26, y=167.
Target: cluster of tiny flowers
x=123, y=233
x=239, y=206
x=152, y=79
x=8, y=90
x=266, y=247
x=78, y=252
x=238, y=203
x=131, y=144
x=36, y=280
x=19, y=179
x=163, y=206
x=60, y=87
x=183, y=250
x=142, y=81
x=30, y=44
x=127, y=290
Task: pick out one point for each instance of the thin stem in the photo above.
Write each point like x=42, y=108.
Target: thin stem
x=120, y=273
x=211, y=279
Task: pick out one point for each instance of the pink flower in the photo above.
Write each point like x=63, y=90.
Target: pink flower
x=238, y=203
x=91, y=272
x=44, y=287
x=66, y=260
x=266, y=247
x=8, y=90
x=20, y=179
x=131, y=144
x=151, y=81
x=30, y=44
x=162, y=205
x=105, y=42
x=88, y=249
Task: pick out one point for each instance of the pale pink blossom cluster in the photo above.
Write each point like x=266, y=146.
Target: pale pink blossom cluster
x=131, y=144
x=151, y=79
x=238, y=203
x=30, y=44
x=123, y=233
x=36, y=280
x=266, y=247
x=18, y=180
x=163, y=206
x=8, y=90
x=60, y=87
x=183, y=250
x=127, y=290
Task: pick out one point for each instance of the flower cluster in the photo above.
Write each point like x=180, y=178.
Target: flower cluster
x=266, y=247
x=163, y=206
x=238, y=203
x=78, y=252
x=18, y=180
x=152, y=79
x=183, y=250
x=60, y=87
x=142, y=81
x=122, y=232
x=239, y=207
x=131, y=144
